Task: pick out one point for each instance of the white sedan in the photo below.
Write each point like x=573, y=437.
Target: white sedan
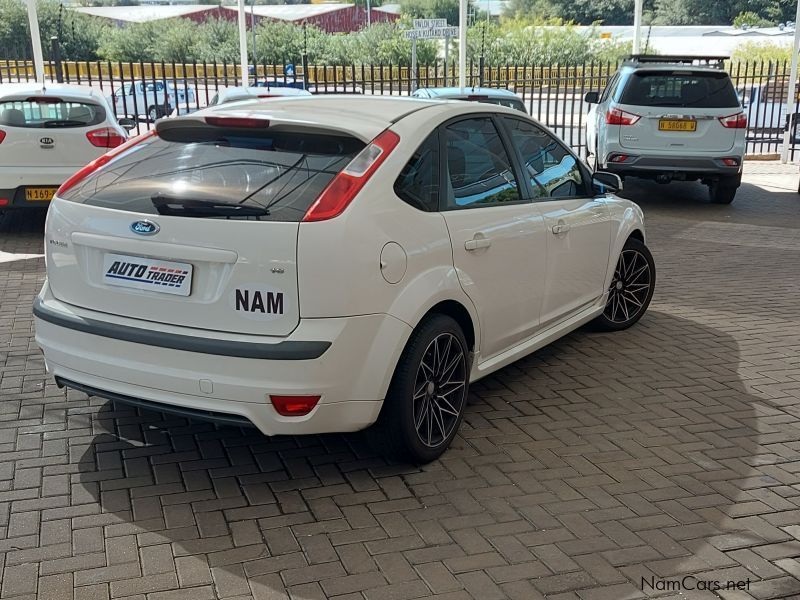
x=48, y=133
x=330, y=264
x=234, y=94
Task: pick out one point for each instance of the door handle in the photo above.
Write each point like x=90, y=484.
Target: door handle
x=560, y=228
x=477, y=244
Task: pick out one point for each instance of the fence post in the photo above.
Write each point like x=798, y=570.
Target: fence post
x=55, y=53
x=304, y=60
x=481, y=64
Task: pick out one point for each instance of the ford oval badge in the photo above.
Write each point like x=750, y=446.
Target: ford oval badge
x=145, y=227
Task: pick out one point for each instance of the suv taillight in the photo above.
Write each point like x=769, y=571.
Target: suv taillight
x=102, y=160
x=340, y=192
x=737, y=121
x=2, y=136
x=615, y=116
x=105, y=138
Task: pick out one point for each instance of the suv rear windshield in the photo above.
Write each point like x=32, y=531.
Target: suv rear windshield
x=212, y=172
x=49, y=113
x=696, y=89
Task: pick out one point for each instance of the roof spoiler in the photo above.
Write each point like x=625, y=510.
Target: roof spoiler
x=716, y=62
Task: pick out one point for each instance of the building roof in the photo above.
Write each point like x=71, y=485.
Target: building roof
x=143, y=14
x=292, y=12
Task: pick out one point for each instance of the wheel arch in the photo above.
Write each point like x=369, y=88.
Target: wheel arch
x=459, y=313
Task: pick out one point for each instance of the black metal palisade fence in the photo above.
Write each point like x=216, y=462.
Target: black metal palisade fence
x=553, y=94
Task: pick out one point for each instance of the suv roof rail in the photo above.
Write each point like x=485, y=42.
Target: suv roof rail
x=705, y=61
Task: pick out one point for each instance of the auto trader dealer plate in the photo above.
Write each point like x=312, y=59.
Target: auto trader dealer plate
x=148, y=274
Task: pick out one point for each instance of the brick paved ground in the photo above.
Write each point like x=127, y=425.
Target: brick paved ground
x=669, y=449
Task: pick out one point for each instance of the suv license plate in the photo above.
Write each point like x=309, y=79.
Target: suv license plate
x=677, y=125
x=150, y=274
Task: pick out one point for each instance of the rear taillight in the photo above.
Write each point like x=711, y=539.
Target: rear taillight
x=2, y=136
x=105, y=138
x=615, y=116
x=346, y=185
x=737, y=121
x=102, y=160
x=293, y=406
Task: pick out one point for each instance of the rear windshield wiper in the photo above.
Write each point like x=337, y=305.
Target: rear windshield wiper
x=170, y=206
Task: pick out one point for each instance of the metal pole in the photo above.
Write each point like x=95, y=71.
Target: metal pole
x=253, y=31
x=245, y=77
x=446, y=58
x=36, y=41
x=791, y=93
x=638, y=8
x=463, y=6
x=369, y=14
x=414, y=65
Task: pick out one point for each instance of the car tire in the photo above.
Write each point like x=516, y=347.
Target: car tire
x=723, y=190
x=153, y=113
x=427, y=396
x=631, y=288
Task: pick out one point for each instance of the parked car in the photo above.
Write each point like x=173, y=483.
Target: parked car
x=153, y=99
x=500, y=97
x=670, y=121
x=765, y=107
x=329, y=264
x=234, y=94
x=46, y=134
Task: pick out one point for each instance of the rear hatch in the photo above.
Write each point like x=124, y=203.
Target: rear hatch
x=42, y=131
x=679, y=110
x=196, y=226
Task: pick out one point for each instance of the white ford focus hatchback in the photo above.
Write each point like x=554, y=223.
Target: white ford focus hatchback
x=330, y=263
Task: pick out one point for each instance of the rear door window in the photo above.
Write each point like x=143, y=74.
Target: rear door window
x=50, y=113
x=686, y=89
x=479, y=170
x=214, y=172
x=418, y=183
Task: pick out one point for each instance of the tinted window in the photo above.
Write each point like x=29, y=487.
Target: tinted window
x=418, y=183
x=680, y=88
x=478, y=169
x=50, y=114
x=514, y=103
x=552, y=169
x=212, y=172
x=612, y=84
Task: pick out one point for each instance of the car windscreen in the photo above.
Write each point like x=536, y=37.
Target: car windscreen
x=42, y=113
x=212, y=172
x=687, y=89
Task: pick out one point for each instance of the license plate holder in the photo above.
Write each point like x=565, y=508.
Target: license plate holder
x=678, y=125
x=148, y=274
x=39, y=194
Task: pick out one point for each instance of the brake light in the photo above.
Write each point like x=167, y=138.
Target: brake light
x=294, y=406
x=730, y=162
x=101, y=161
x=4, y=202
x=618, y=158
x=345, y=186
x=737, y=121
x=615, y=116
x=2, y=136
x=267, y=96
x=105, y=138
x=238, y=122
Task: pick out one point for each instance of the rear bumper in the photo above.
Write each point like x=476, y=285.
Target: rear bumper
x=697, y=166
x=14, y=180
x=351, y=375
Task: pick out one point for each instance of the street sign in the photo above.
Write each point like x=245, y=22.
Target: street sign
x=431, y=33
x=429, y=23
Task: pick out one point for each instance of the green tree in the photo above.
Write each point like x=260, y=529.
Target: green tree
x=750, y=19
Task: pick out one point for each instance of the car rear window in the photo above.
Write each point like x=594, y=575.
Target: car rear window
x=43, y=113
x=213, y=172
x=507, y=102
x=696, y=89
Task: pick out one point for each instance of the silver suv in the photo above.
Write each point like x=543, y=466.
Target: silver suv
x=670, y=118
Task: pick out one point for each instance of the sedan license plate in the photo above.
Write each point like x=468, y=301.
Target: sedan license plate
x=150, y=274
x=677, y=125
x=40, y=194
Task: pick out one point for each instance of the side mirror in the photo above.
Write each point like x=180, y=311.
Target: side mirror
x=606, y=183
x=591, y=98
x=127, y=124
